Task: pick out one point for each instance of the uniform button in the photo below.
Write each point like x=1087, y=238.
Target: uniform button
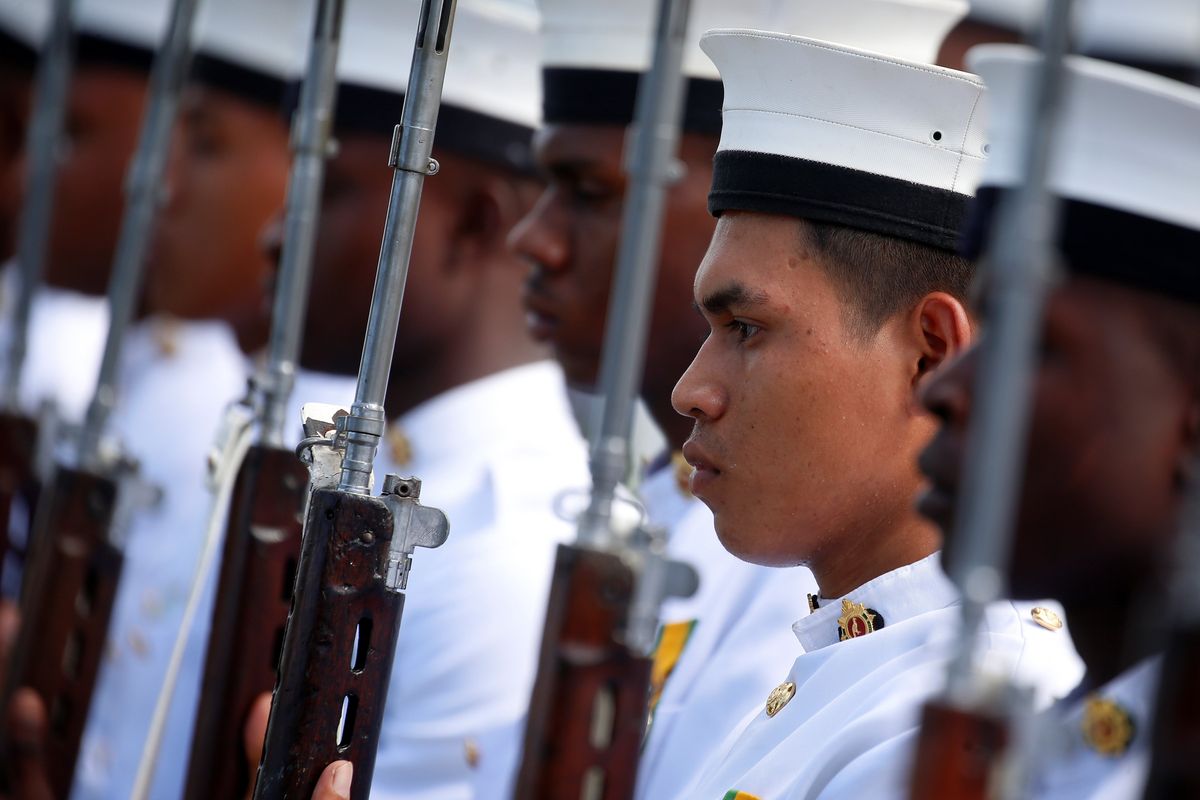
x=1046, y=618
x=780, y=696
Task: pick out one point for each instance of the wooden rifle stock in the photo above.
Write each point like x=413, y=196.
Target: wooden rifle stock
x=19, y=483
x=958, y=754
x=254, y=592
x=588, y=712
x=66, y=606
x=338, y=650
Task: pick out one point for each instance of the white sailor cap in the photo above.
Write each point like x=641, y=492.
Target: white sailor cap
x=911, y=30
x=252, y=49
x=491, y=98
x=1146, y=31
x=839, y=135
x=1125, y=162
x=594, y=53
x=23, y=26
x=120, y=32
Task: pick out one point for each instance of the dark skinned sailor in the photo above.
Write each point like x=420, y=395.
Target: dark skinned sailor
x=1116, y=400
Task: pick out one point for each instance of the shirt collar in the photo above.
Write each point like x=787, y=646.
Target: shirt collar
x=498, y=408
x=895, y=596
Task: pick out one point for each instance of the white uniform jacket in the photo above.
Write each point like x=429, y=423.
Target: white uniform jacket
x=848, y=729
x=494, y=455
x=66, y=341
x=1101, y=744
x=721, y=651
x=177, y=380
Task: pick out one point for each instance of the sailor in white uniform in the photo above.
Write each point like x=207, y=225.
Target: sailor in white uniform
x=841, y=180
x=1124, y=166
x=177, y=379
x=477, y=412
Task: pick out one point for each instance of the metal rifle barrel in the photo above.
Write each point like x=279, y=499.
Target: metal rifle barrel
x=143, y=194
x=44, y=142
x=1018, y=269
x=411, y=158
x=652, y=166
x=311, y=137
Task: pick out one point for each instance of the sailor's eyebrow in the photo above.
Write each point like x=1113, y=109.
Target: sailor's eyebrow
x=732, y=294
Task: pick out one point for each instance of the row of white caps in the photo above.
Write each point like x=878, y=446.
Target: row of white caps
x=1166, y=31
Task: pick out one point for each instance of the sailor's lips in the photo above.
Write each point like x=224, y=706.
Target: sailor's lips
x=939, y=500
x=540, y=319
x=704, y=471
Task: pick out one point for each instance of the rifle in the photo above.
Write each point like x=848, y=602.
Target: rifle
x=587, y=715
x=262, y=534
x=25, y=439
x=75, y=557
x=356, y=549
x=1174, y=771
x=964, y=749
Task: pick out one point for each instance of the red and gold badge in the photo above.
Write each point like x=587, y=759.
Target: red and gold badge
x=857, y=620
x=1107, y=727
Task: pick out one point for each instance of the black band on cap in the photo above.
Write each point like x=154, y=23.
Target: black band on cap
x=605, y=97
x=813, y=190
x=17, y=54
x=248, y=84
x=364, y=109
x=1102, y=242
x=95, y=50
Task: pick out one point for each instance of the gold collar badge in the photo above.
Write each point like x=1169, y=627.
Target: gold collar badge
x=399, y=446
x=857, y=620
x=1107, y=727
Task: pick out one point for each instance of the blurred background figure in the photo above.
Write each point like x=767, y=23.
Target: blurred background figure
x=229, y=169
x=476, y=410
x=182, y=364
x=23, y=25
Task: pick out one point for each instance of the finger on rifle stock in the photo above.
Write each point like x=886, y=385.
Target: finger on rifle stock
x=335, y=782
x=26, y=728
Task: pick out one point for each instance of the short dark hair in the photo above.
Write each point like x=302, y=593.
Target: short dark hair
x=880, y=276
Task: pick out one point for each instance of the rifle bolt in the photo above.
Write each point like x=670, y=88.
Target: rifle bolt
x=367, y=538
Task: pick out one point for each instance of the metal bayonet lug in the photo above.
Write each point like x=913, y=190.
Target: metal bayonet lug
x=658, y=578
x=415, y=526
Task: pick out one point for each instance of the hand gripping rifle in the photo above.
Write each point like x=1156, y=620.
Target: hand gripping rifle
x=75, y=557
x=964, y=750
x=356, y=549
x=1175, y=743
x=587, y=716
x=26, y=441
x=266, y=514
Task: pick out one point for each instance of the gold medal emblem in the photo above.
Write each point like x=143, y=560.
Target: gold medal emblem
x=857, y=620
x=1107, y=728
x=399, y=446
x=1047, y=618
x=683, y=473
x=780, y=696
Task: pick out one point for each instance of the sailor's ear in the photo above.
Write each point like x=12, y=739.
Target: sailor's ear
x=941, y=329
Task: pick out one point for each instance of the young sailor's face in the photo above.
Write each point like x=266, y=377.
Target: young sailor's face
x=570, y=238
x=1107, y=442
x=800, y=442
x=227, y=176
x=104, y=111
